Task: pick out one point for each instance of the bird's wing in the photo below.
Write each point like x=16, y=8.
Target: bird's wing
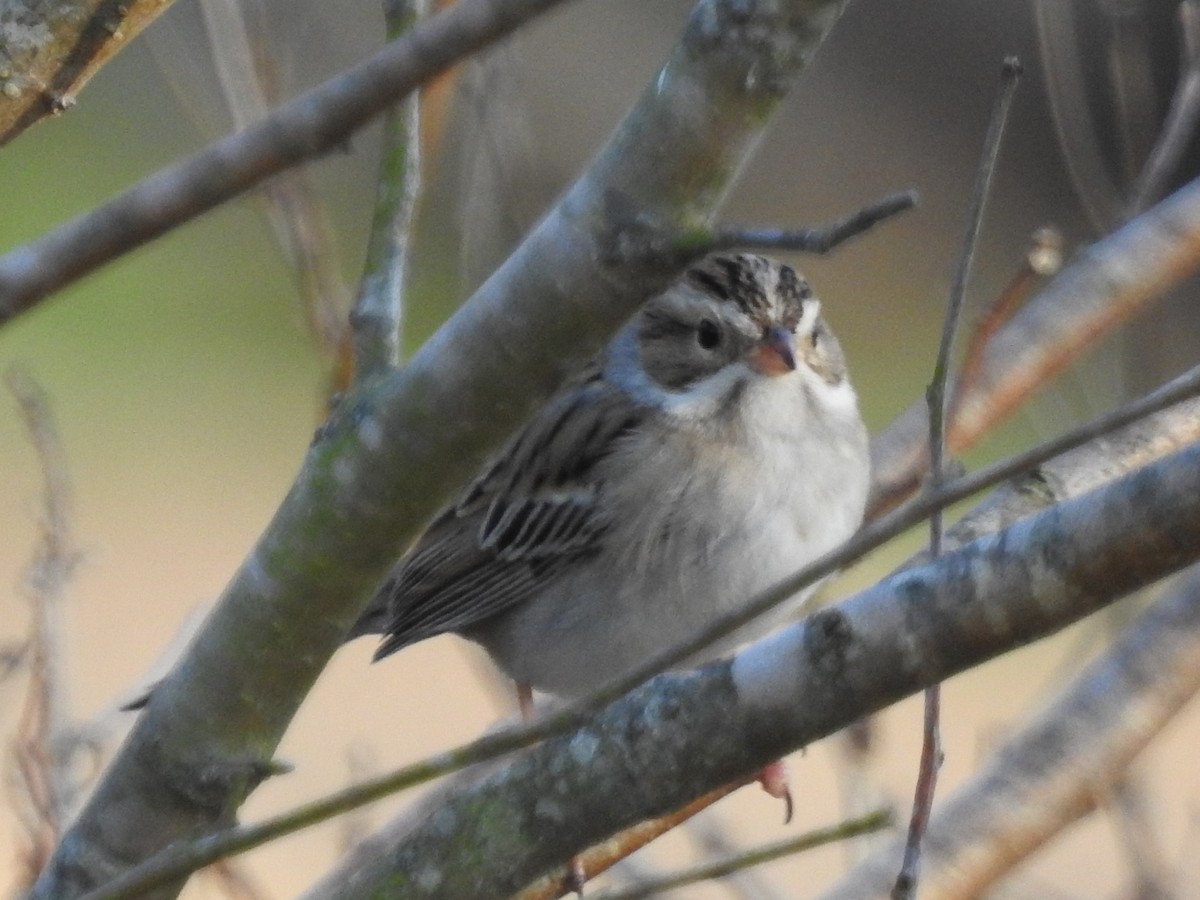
x=535, y=507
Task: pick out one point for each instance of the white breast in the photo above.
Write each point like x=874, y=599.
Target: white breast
x=699, y=526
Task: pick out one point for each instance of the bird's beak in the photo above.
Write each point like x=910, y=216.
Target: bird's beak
x=775, y=354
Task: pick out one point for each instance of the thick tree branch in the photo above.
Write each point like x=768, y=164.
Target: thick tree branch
x=48, y=51
x=1059, y=766
x=1080, y=470
x=398, y=446
x=682, y=734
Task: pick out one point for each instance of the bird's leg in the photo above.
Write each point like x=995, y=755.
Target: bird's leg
x=576, y=876
x=775, y=781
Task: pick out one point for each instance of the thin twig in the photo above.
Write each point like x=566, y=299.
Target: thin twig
x=931, y=749
x=814, y=240
x=601, y=857
x=1135, y=826
x=302, y=129
x=713, y=837
x=936, y=394
x=300, y=224
x=377, y=318
x=1178, y=131
x=42, y=747
x=178, y=861
x=720, y=868
x=1043, y=259
x=356, y=825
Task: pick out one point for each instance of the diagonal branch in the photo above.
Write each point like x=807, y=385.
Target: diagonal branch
x=814, y=240
x=302, y=129
x=736, y=862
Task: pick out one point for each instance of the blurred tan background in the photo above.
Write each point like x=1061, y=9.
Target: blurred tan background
x=187, y=389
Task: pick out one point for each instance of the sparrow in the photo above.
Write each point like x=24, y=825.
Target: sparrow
x=713, y=448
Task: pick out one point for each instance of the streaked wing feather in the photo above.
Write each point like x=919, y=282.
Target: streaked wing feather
x=534, y=508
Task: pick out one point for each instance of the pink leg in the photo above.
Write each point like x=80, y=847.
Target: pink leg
x=774, y=780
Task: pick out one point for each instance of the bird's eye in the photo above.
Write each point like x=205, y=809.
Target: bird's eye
x=708, y=335
x=815, y=337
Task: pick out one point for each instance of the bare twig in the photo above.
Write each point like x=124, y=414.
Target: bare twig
x=301, y=129
x=177, y=861
x=936, y=397
x=298, y=220
x=377, y=319
x=1043, y=259
x=1074, y=473
x=813, y=240
x=936, y=394
x=1127, y=805
x=720, y=868
x=43, y=748
x=714, y=837
x=1179, y=128
x=603, y=856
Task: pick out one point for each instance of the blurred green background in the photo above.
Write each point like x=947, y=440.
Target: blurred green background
x=187, y=388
